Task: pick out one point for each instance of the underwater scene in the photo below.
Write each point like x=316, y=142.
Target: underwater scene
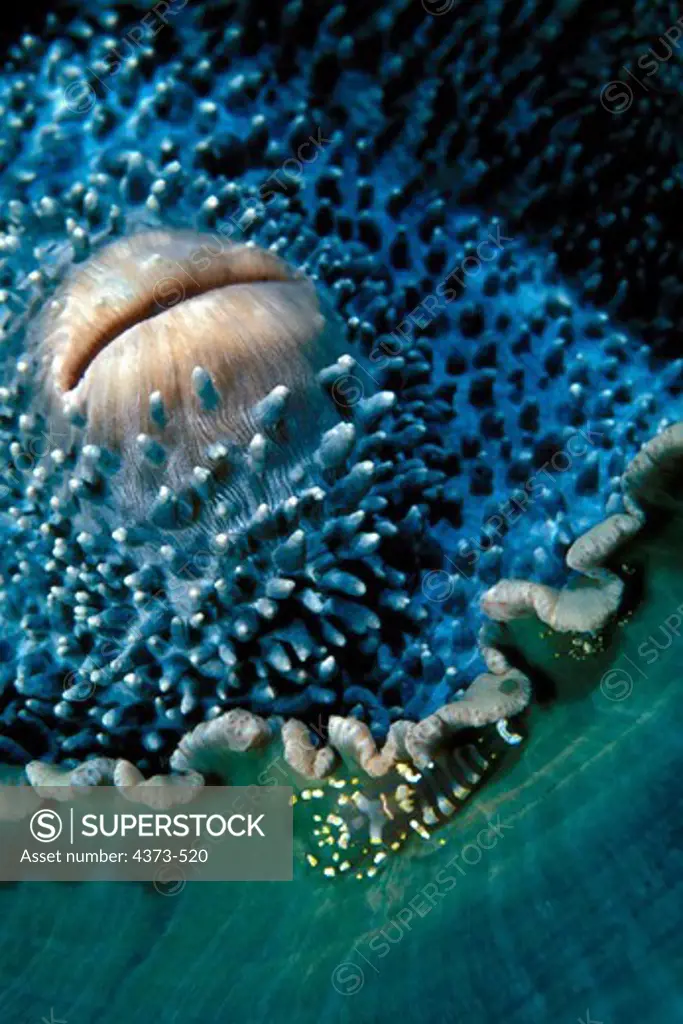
x=341, y=488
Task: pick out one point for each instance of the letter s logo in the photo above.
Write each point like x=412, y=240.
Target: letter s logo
x=46, y=826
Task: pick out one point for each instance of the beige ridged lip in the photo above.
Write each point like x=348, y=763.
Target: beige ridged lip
x=125, y=345
x=144, y=277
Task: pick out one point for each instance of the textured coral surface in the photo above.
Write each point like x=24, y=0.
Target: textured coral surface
x=420, y=215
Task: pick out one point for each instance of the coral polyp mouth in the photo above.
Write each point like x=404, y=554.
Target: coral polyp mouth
x=138, y=279
x=162, y=350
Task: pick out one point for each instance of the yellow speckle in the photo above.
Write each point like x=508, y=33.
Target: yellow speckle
x=317, y=793
x=379, y=857
x=345, y=865
x=306, y=794
x=329, y=872
x=313, y=861
x=407, y=772
x=371, y=872
x=396, y=846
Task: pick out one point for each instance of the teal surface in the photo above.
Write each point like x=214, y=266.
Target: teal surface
x=563, y=903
